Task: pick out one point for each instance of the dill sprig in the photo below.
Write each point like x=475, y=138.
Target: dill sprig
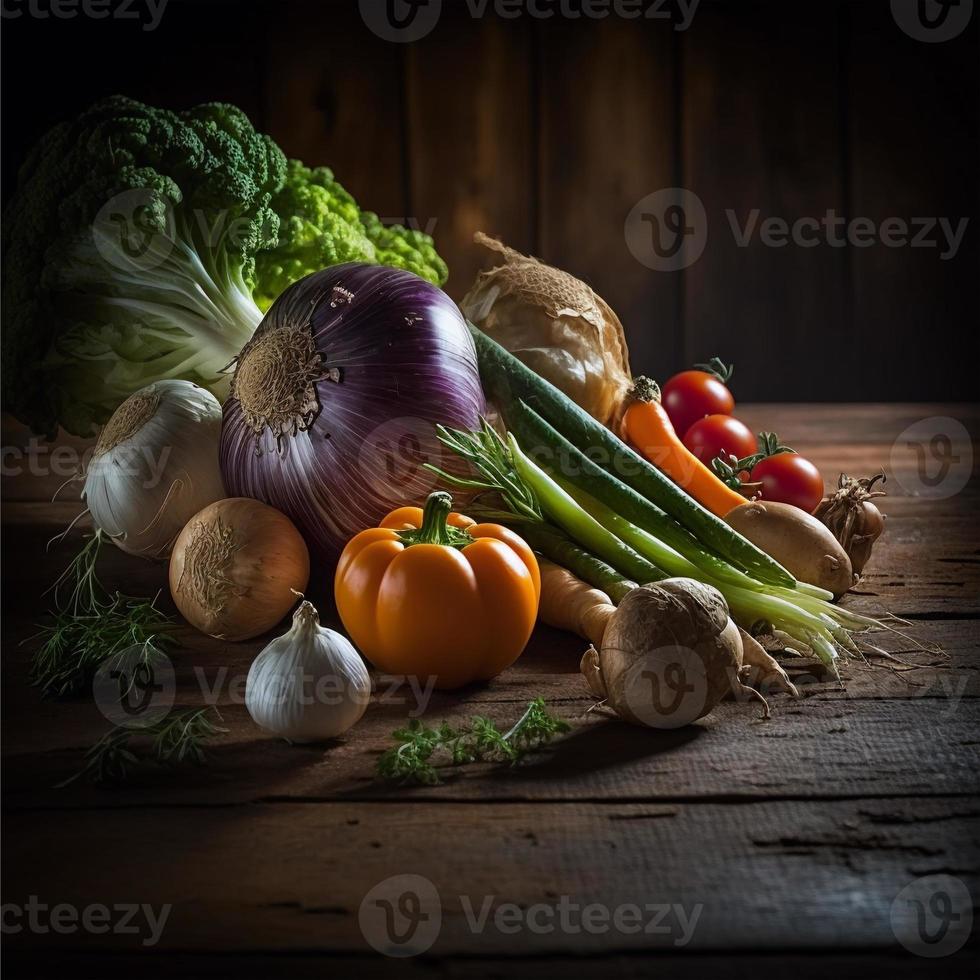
x=89, y=625
x=179, y=737
x=479, y=740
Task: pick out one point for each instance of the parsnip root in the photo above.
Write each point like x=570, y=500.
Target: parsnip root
x=567, y=603
x=761, y=670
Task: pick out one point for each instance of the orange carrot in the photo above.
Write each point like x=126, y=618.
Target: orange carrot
x=650, y=431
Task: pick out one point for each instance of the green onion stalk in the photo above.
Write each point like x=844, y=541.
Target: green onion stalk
x=604, y=548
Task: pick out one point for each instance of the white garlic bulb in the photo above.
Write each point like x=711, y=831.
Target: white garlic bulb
x=308, y=685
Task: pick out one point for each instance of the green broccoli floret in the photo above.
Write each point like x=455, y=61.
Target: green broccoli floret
x=129, y=255
x=141, y=244
x=322, y=225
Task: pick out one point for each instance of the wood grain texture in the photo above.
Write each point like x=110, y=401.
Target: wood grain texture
x=784, y=864
x=333, y=97
x=761, y=144
x=815, y=964
x=900, y=123
x=470, y=140
x=607, y=113
x=908, y=742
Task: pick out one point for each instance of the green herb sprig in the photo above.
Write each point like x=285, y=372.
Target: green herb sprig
x=479, y=740
x=89, y=625
x=179, y=737
x=490, y=456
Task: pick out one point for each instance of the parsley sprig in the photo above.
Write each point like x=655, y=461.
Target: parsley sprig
x=479, y=740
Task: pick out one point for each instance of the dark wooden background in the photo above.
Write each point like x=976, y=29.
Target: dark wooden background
x=548, y=132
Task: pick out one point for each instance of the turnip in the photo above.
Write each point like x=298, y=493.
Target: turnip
x=664, y=657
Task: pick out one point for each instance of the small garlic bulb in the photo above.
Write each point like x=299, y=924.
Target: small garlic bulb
x=308, y=685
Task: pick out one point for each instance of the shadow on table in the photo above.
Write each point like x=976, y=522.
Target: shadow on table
x=609, y=744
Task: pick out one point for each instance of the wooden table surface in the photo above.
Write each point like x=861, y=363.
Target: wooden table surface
x=785, y=842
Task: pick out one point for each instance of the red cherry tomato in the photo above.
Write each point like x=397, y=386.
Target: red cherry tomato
x=720, y=435
x=691, y=395
x=788, y=478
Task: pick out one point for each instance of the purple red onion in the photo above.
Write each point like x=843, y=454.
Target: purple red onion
x=336, y=397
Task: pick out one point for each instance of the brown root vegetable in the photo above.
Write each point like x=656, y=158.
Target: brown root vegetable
x=797, y=540
x=557, y=326
x=567, y=603
x=761, y=671
x=669, y=655
x=853, y=518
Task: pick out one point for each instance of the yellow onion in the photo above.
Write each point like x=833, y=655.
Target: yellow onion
x=236, y=568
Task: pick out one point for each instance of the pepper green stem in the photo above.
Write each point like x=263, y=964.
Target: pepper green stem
x=435, y=528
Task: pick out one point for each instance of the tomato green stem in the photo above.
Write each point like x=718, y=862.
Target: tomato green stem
x=716, y=366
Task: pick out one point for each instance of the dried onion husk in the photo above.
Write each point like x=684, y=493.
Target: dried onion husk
x=556, y=325
x=154, y=466
x=853, y=518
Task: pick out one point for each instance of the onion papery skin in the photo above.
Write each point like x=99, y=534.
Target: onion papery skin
x=399, y=360
x=143, y=490
x=246, y=582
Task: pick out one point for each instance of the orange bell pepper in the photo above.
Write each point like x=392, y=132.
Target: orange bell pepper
x=435, y=595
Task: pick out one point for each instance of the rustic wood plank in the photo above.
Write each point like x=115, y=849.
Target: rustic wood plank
x=333, y=97
x=908, y=103
x=301, y=872
x=761, y=136
x=845, y=424
x=607, y=140
x=835, y=745
x=731, y=965
x=470, y=149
